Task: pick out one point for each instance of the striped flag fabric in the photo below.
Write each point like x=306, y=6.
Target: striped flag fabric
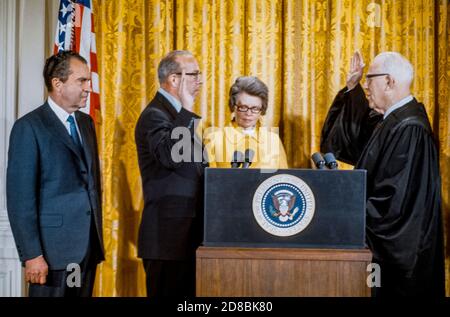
x=75, y=31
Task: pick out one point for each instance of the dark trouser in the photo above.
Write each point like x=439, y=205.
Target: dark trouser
x=170, y=278
x=56, y=284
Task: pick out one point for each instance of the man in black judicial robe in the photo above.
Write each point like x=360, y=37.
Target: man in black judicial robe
x=389, y=134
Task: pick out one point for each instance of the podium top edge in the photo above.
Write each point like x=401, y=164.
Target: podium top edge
x=357, y=255
x=285, y=170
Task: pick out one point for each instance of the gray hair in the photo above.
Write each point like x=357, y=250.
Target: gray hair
x=251, y=85
x=169, y=65
x=397, y=66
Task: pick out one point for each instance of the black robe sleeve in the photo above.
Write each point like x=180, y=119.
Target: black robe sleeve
x=348, y=125
x=403, y=203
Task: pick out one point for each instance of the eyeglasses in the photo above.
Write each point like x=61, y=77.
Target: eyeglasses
x=196, y=75
x=376, y=75
x=370, y=76
x=243, y=108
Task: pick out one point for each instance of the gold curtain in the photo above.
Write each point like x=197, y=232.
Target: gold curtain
x=300, y=48
x=442, y=121
x=131, y=38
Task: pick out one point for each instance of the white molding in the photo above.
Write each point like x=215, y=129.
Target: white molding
x=11, y=279
x=5, y=232
x=25, y=42
x=9, y=254
x=8, y=84
x=31, y=52
x=4, y=224
x=5, y=282
x=11, y=273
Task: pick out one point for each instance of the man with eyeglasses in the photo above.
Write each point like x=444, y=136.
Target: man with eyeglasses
x=386, y=132
x=171, y=225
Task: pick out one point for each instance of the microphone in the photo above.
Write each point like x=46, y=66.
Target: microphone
x=249, y=154
x=318, y=160
x=330, y=161
x=237, y=159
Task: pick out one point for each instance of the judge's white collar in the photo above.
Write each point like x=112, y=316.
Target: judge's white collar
x=397, y=105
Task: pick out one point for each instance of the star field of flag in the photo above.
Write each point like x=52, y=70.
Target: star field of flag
x=75, y=31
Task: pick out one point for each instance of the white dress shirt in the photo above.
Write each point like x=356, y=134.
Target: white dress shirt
x=173, y=101
x=63, y=115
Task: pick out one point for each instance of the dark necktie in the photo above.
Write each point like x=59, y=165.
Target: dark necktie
x=73, y=132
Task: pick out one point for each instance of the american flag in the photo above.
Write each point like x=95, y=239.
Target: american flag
x=75, y=31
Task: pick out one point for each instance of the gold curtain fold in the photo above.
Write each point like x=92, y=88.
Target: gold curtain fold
x=300, y=48
x=443, y=120
x=212, y=31
x=232, y=38
x=132, y=36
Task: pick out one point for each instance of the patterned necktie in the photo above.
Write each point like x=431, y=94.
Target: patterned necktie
x=73, y=132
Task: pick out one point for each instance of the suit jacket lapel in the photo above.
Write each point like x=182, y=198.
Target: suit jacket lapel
x=83, y=125
x=197, y=141
x=166, y=105
x=56, y=127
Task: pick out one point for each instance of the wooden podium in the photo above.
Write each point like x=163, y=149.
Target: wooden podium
x=260, y=272
x=248, y=251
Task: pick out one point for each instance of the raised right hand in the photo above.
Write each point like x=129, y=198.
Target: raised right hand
x=187, y=100
x=356, y=70
x=36, y=270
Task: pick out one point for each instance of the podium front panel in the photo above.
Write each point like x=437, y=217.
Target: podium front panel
x=338, y=220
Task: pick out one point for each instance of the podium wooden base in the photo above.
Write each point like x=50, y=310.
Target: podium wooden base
x=259, y=272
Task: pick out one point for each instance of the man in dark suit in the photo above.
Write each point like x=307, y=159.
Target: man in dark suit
x=53, y=185
x=171, y=225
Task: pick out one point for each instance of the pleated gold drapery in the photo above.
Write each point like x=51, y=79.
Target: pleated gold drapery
x=300, y=48
x=442, y=119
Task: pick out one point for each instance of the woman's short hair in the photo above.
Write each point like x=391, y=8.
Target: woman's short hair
x=251, y=85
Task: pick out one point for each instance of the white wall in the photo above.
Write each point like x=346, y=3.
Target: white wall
x=10, y=268
x=31, y=55
x=25, y=42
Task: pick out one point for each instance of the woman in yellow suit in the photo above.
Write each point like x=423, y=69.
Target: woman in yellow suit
x=245, y=138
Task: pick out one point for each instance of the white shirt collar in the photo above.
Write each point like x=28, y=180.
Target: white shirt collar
x=173, y=101
x=249, y=131
x=397, y=105
x=63, y=115
x=59, y=111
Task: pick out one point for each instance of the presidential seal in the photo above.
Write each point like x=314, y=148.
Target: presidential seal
x=283, y=205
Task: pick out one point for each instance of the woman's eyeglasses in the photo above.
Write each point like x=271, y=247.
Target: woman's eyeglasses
x=242, y=108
